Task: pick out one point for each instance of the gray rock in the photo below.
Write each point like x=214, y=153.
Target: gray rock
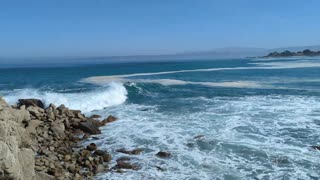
x=58, y=128
x=32, y=125
x=43, y=175
x=51, y=115
x=35, y=111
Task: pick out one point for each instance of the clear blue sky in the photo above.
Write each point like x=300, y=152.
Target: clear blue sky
x=130, y=27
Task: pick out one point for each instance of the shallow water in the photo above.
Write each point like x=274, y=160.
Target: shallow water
x=259, y=117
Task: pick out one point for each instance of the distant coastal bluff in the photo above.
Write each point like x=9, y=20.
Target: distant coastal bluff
x=287, y=53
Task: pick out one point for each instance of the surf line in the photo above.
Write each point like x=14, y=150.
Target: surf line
x=263, y=66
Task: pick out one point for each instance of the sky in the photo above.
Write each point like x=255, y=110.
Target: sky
x=36, y=28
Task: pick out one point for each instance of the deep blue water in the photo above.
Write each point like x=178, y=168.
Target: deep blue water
x=259, y=117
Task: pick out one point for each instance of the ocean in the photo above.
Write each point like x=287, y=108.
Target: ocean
x=257, y=118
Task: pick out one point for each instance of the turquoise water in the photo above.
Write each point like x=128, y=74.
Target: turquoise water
x=259, y=117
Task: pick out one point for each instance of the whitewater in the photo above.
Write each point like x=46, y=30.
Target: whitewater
x=257, y=118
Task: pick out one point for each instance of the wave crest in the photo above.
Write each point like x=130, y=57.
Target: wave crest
x=113, y=94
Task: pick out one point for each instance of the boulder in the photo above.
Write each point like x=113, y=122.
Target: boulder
x=32, y=125
x=316, y=147
x=62, y=109
x=163, y=154
x=58, y=129
x=51, y=115
x=105, y=155
x=89, y=128
x=200, y=136
x=92, y=147
x=67, y=157
x=31, y=102
x=160, y=168
x=69, y=114
x=99, y=168
x=123, y=158
x=80, y=116
x=134, y=151
x=126, y=165
x=52, y=106
x=95, y=116
x=99, y=153
x=86, y=136
x=108, y=120
x=43, y=175
x=35, y=111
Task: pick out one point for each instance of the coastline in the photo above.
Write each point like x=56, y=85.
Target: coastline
x=45, y=143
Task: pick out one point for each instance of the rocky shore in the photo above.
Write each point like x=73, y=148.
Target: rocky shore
x=38, y=142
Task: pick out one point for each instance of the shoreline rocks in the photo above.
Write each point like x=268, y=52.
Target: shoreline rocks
x=38, y=143
x=45, y=143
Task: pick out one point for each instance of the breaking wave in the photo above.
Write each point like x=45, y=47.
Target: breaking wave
x=112, y=94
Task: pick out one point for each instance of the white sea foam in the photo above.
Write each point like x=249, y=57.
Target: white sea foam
x=234, y=84
x=260, y=65
x=170, y=82
x=113, y=94
x=288, y=65
x=98, y=79
x=266, y=137
x=268, y=83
